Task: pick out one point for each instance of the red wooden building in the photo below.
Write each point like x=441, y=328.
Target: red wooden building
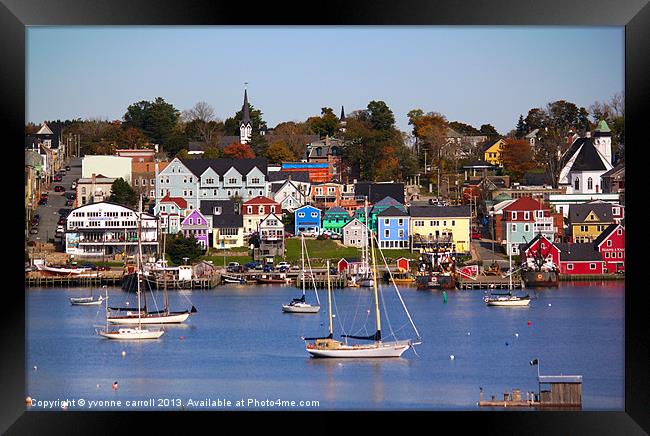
x=611, y=246
x=573, y=259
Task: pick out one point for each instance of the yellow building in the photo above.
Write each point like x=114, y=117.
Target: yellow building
x=492, y=151
x=441, y=224
x=589, y=220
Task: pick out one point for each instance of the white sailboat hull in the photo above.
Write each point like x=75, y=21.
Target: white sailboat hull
x=132, y=319
x=130, y=333
x=378, y=349
x=366, y=283
x=508, y=303
x=86, y=301
x=300, y=308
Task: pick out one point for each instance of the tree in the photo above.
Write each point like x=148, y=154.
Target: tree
x=122, y=193
x=548, y=151
x=279, y=152
x=536, y=119
x=520, y=130
x=381, y=117
x=184, y=154
x=517, y=158
x=325, y=125
x=295, y=135
x=489, y=131
x=181, y=247
x=238, y=151
x=203, y=120
x=212, y=152
x=464, y=129
x=157, y=119
x=130, y=137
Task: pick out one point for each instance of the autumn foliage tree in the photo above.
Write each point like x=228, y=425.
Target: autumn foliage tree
x=279, y=152
x=517, y=158
x=238, y=151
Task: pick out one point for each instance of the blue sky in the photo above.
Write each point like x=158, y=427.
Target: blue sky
x=474, y=74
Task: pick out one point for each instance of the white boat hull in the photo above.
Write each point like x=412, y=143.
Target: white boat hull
x=508, y=303
x=378, y=349
x=130, y=333
x=300, y=308
x=366, y=283
x=86, y=301
x=132, y=319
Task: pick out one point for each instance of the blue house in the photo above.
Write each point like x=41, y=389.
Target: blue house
x=393, y=228
x=307, y=219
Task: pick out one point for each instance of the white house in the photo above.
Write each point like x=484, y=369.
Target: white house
x=110, y=166
x=355, y=234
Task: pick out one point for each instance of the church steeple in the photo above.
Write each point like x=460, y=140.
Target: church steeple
x=342, y=121
x=245, y=127
x=342, y=114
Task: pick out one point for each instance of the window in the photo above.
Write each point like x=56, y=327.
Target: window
x=609, y=243
x=387, y=233
x=153, y=181
x=249, y=210
x=151, y=193
x=620, y=254
x=401, y=234
x=301, y=214
x=576, y=184
x=400, y=222
x=526, y=228
x=607, y=254
x=513, y=227
x=569, y=266
x=260, y=209
x=136, y=182
x=386, y=221
x=584, y=228
x=255, y=181
x=526, y=215
x=314, y=214
x=513, y=215
x=592, y=266
x=616, y=210
x=83, y=190
x=453, y=223
x=619, y=232
x=590, y=183
x=232, y=180
x=272, y=209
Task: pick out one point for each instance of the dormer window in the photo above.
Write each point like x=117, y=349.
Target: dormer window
x=216, y=210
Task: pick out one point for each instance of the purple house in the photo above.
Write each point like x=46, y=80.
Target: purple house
x=196, y=224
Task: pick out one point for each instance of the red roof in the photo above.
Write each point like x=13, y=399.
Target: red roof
x=526, y=203
x=260, y=199
x=179, y=201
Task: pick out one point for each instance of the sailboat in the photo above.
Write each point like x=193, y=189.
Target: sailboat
x=366, y=281
x=328, y=347
x=299, y=305
x=141, y=315
x=87, y=301
x=129, y=332
x=507, y=299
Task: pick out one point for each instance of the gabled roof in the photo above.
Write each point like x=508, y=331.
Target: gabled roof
x=489, y=144
x=392, y=211
x=307, y=206
x=588, y=159
x=578, y=252
x=260, y=199
x=227, y=207
x=527, y=203
x=536, y=179
x=179, y=201
x=378, y=191
x=44, y=130
x=272, y=215
x=524, y=247
x=479, y=164
x=606, y=234
x=354, y=220
x=296, y=176
x=337, y=210
x=387, y=201
x=619, y=168
x=578, y=212
x=222, y=165
x=440, y=211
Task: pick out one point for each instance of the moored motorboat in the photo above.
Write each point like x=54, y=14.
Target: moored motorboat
x=507, y=299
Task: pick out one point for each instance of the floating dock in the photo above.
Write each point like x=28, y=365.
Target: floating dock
x=561, y=392
x=489, y=282
x=100, y=278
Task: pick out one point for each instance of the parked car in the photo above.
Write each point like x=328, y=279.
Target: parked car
x=286, y=265
x=103, y=268
x=92, y=266
x=42, y=202
x=61, y=221
x=69, y=202
x=335, y=236
x=288, y=235
x=58, y=178
x=44, y=195
x=308, y=233
x=60, y=229
x=251, y=265
x=476, y=235
x=67, y=167
x=59, y=188
x=267, y=268
x=34, y=231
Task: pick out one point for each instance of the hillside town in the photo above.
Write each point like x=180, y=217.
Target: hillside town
x=555, y=192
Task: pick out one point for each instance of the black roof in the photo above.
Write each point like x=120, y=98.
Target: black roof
x=588, y=159
x=297, y=176
x=227, y=219
x=440, y=211
x=378, y=191
x=222, y=165
x=392, y=211
x=578, y=212
x=579, y=252
x=536, y=179
x=572, y=150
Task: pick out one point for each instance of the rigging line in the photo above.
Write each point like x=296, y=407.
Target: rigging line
x=390, y=274
x=311, y=272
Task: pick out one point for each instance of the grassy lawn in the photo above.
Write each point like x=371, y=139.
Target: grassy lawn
x=328, y=249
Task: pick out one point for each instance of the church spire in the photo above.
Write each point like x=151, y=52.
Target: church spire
x=246, y=117
x=342, y=114
x=245, y=126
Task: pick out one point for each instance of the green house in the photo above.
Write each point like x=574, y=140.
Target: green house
x=376, y=209
x=335, y=218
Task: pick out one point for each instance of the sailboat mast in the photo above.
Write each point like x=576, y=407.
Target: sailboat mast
x=365, y=241
x=374, y=285
x=138, y=262
x=302, y=249
x=165, y=276
x=329, y=297
x=509, y=259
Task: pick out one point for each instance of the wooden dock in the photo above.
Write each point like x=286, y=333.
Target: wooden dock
x=109, y=278
x=489, y=282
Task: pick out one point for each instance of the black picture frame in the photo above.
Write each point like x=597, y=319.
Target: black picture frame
x=15, y=15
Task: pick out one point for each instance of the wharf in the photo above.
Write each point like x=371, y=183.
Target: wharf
x=589, y=277
x=489, y=282
x=37, y=278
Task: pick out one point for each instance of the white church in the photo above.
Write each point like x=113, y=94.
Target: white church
x=583, y=164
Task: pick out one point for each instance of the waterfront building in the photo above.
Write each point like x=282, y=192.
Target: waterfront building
x=94, y=189
x=440, y=224
x=196, y=180
x=379, y=207
x=226, y=221
x=138, y=154
x=195, y=224
x=143, y=176
x=110, y=166
x=588, y=220
x=393, y=228
x=106, y=229
x=329, y=151
x=580, y=259
x=318, y=171
x=307, y=219
x=335, y=218
x=350, y=265
x=523, y=219
x=255, y=210
x=271, y=231
x=540, y=247
x=170, y=211
x=611, y=245
x=355, y=234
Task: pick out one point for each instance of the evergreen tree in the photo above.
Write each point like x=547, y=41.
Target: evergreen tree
x=520, y=131
x=181, y=247
x=122, y=193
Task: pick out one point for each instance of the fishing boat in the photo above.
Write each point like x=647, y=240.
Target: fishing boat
x=540, y=271
x=328, y=347
x=128, y=333
x=437, y=270
x=299, y=305
x=232, y=279
x=64, y=270
x=273, y=279
x=140, y=315
x=87, y=301
x=403, y=278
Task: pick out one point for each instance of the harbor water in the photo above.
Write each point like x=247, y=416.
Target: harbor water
x=241, y=352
